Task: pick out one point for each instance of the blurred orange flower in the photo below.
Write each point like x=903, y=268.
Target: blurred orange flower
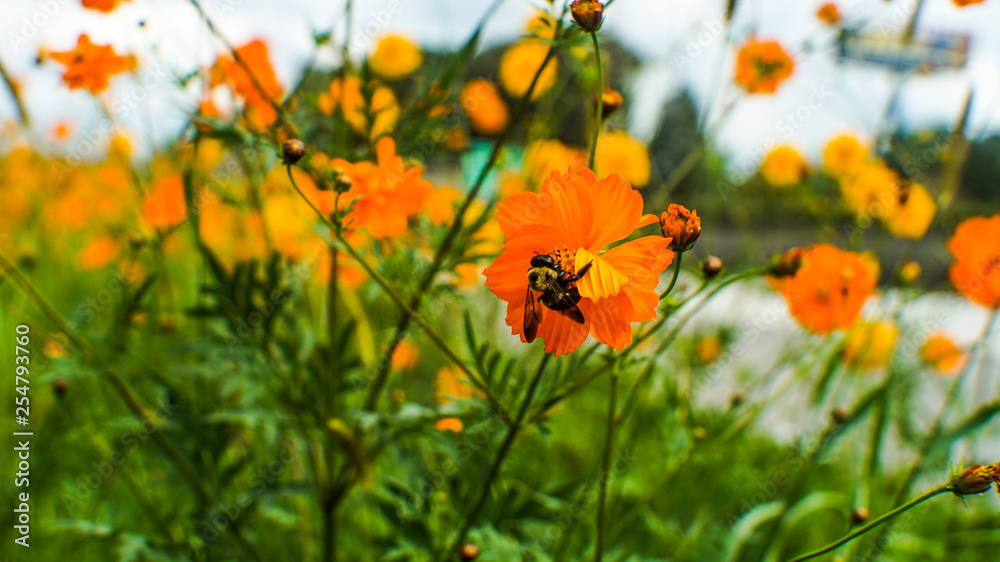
x=976, y=271
x=260, y=90
x=708, y=349
x=520, y=64
x=942, y=354
x=829, y=13
x=572, y=219
x=830, y=287
x=963, y=3
x=844, y=156
x=619, y=153
x=405, y=357
x=98, y=253
x=348, y=95
x=762, y=65
x=164, y=206
x=102, y=5
x=387, y=192
x=488, y=114
x=869, y=345
x=441, y=205
x=784, y=167
x=395, y=58
x=89, y=66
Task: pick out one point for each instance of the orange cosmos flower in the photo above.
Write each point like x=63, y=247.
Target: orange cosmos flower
x=572, y=218
x=488, y=114
x=829, y=287
x=942, y=354
x=105, y=6
x=964, y=3
x=89, y=66
x=387, y=192
x=259, y=108
x=441, y=205
x=784, y=167
x=164, y=206
x=829, y=13
x=762, y=65
x=976, y=271
x=405, y=357
x=98, y=253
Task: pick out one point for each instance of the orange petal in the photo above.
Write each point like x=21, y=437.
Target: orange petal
x=619, y=213
x=610, y=320
x=561, y=334
x=602, y=280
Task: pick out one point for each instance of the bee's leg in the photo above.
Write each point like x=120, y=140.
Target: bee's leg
x=579, y=274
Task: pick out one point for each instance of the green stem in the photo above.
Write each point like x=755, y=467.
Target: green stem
x=15, y=93
x=609, y=437
x=328, y=506
x=673, y=280
x=501, y=455
x=944, y=488
x=600, y=99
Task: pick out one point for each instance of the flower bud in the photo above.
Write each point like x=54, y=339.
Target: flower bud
x=612, y=101
x=60, y=387
x=859, y=515
x=909, y=272
x=588, y=14
x=468, y=551
x=293, y=151
x=840, y=415
x=682, y=225
x=711, y=267
x=974, y=480
x=787, y=264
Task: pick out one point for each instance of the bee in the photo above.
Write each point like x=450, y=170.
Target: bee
x=549, y=284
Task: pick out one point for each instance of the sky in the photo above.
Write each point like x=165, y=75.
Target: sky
x=682, y=44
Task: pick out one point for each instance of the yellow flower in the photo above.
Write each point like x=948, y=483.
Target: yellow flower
x=844, y=156
x=914, y=212
x=519, y=65
x=871, y=191
x=869, y=345
x=347, y=94
x=784, y=167
x=395, y=58
x=544, y=156
x=541, y=25
x=618, y=153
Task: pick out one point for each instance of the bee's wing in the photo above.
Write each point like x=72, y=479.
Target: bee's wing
x=574, y=313
x=531, y=318
x=568, y=307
